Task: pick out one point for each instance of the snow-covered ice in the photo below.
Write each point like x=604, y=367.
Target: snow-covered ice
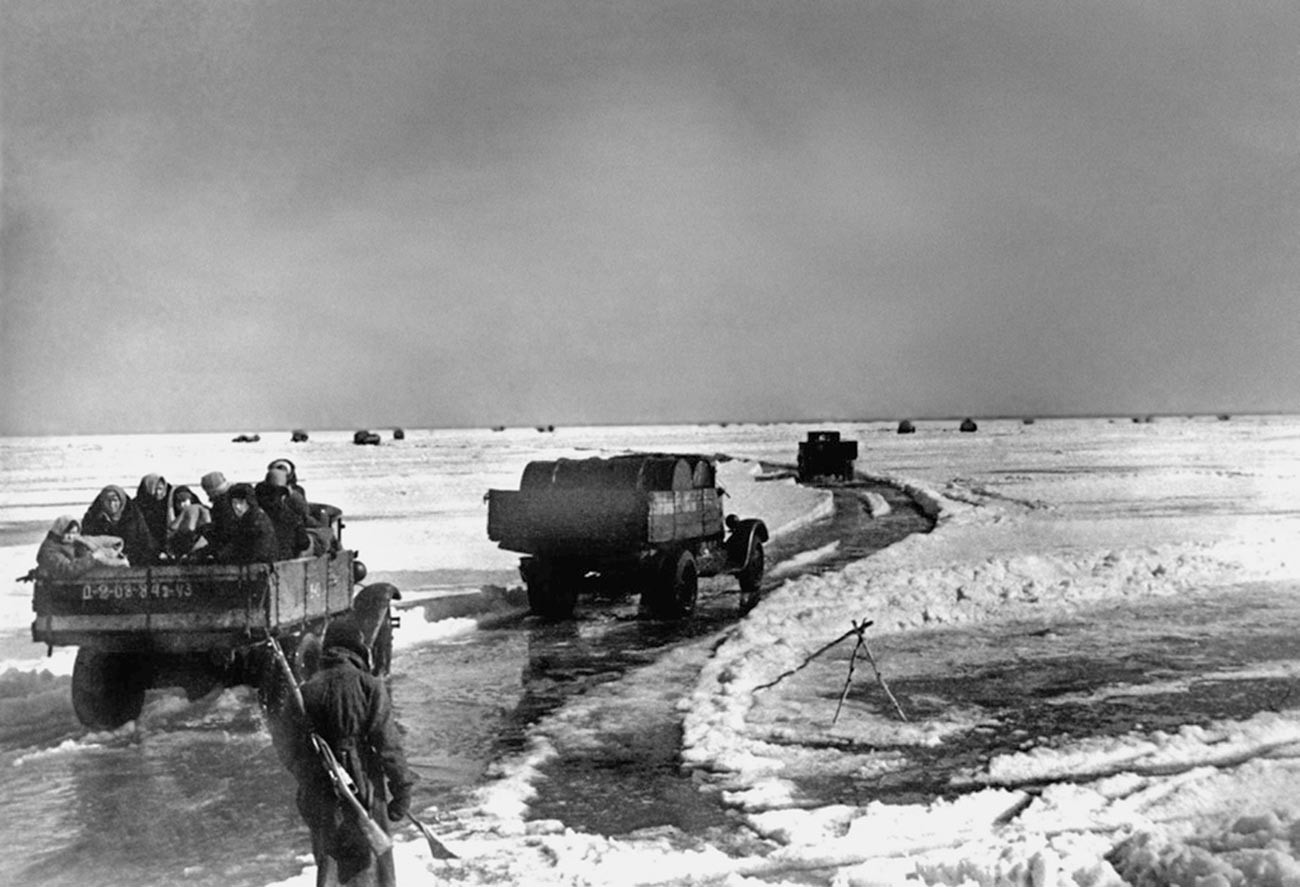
x=1031, y=522
x=1034, y=522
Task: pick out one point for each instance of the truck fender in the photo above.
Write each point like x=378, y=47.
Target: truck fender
x=745, y=533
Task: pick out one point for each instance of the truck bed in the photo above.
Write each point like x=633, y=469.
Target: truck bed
x=190, y=606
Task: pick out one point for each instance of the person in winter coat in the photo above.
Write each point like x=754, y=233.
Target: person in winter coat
x=59, y=556
x=218, y=531
x=323, y=516
x=152, y=497
x=288, y=513
x=114, y=514
x=190, y=518
x=252, y=537
x=350, y=709
x=291, y=475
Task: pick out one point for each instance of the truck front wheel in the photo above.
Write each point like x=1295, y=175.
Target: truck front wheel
x=674, y=593
x=108, y=688
x=751, y=578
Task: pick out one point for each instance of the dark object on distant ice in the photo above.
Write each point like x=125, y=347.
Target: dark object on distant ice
x=968, y=425
x=498, y=428
x=246, y=438
x=298, y=435
x=367, y=438
x=906, y=427
x=1027, y=421
x=399, y=434
x=823, y=454
x=1143, y=420
x=545, y=428
x=1224, y=417
x=650, y=522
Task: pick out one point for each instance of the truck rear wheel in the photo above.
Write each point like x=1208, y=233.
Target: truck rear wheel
x=108, y=688
x=673, y=592
x=552, y=589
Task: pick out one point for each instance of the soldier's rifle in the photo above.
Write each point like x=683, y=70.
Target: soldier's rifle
x=344, y=786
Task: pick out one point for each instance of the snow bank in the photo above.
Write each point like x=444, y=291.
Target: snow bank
x=1215, y=804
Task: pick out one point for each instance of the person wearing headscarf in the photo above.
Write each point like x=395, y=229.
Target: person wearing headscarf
x=114, y=514
x=351, y=710
x=189, y=519
x=60, y=557
x=252, y=537
x=152, y=497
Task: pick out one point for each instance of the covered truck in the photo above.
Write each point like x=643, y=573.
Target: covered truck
x=193, y=626
x=650, y=523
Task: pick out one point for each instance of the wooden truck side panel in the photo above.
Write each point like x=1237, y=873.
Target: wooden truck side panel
x=682, y=515
x=190, y=606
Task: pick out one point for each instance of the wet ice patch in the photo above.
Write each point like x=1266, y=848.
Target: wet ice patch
x=417, y=629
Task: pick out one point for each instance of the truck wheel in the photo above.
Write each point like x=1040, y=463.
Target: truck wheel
x=751, y=578
x=108, y=688
x=677, y=589
x=552, y=591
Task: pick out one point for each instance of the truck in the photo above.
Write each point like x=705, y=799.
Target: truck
x=824, y=455
x=648, y=523
x=195, y=626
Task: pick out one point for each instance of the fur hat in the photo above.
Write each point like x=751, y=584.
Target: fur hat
x=243, y=491
x=344, y=632
x=214, y=482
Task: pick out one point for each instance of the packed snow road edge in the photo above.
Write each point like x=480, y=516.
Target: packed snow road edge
x=975, y=567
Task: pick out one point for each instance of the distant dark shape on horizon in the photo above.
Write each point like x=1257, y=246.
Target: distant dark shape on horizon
x=968, y=425
x=906, y=427
x=399, y=434
x=298, y=436
x=366, y=438
x=246, y=438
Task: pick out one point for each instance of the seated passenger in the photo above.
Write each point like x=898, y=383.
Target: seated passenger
x=66, y=554
x=323, y=515
x=252, y=537
x=288, y=513
x=291, y=474
x=152, y=498
x=58, y=557
x=218, y=531
x=114, y=514
x=185, y=530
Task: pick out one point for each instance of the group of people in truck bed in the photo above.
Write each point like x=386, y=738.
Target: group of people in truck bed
x=242, y=523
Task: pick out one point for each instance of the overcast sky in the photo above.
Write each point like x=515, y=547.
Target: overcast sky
x=260, y=214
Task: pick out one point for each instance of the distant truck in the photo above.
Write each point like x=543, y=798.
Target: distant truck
x=824, y=455
x=652, y=523
x=193, y=626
